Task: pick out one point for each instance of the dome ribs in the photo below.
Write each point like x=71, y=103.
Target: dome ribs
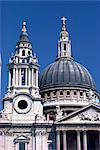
x=66, y=73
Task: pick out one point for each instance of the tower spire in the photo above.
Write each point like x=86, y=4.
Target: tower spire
x=24, y=35
x=64, y=44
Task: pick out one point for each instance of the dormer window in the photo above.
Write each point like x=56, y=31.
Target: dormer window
x=23, y=53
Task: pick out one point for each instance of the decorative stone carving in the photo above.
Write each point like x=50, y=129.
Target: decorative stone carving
x=59, y=112
x=3, y=115
x=90, y=95
x=90, y=115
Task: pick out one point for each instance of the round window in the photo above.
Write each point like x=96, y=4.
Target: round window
x=22, y=104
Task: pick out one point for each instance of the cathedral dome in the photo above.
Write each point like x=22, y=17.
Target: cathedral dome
x=66, y=72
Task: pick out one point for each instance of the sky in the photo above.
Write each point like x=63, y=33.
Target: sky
x=44, y=25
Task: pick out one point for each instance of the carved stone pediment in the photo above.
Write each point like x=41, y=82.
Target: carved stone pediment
x=90, y=113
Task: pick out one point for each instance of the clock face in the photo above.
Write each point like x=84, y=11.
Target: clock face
x=22, y=104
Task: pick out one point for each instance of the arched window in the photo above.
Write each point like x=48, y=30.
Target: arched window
x=23, y=53
x=75, y=93
x=29, y=53
x=81, y=93
x=61, y=92
x=68, y=93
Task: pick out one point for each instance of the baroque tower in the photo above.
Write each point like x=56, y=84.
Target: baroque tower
x=23, y=67
x=22, y=101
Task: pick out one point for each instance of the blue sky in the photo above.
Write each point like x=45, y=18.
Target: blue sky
x=44, y=26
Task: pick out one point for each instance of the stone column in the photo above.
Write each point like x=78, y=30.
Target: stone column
x=78, y=141
x=17, y=146
x=32, y=77
x=1, y=141
x=99, y=140
x=71, y=94
x=64, y=141
x=13, y=76
x=36, y=78
x=9, y=79
x=26, y=146
x=33, y=141
x=57, y=95
x=78, y=95
x=58, y=140
x=84, y=140
x=29, y=77
x=17, y=77
x=20, y=77
x=64, y=94
x=26, y=77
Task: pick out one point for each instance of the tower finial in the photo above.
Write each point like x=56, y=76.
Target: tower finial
x=63, y=23
x=24, y=27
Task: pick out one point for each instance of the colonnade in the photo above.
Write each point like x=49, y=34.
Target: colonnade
x=81, y=141
x=31, y=77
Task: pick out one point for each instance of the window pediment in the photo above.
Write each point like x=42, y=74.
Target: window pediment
x=22, y=138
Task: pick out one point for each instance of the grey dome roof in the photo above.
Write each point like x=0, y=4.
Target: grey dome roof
x=66, y=73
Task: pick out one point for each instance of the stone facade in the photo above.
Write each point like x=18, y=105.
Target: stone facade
x=62, y=116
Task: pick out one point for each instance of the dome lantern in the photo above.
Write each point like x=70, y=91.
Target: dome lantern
x=64, y=44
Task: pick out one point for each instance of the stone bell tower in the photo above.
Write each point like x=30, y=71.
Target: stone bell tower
x=23, y=67
x=22, y=101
